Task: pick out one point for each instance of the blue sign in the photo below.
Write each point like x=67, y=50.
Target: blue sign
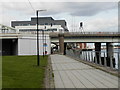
x=45, y=45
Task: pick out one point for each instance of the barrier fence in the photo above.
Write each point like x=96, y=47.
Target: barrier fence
x=100, y=58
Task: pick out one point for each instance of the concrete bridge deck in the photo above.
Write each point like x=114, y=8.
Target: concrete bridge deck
x=69, y=73
x=86, y=34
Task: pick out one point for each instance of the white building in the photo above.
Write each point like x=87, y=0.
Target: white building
x=47, y=24
x=27, y=44
x=45, y=28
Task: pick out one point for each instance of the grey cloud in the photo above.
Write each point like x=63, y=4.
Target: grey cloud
x=92, y=8
x=83, y=9
x=73, y=8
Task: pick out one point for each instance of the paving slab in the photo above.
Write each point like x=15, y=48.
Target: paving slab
x=69, y=73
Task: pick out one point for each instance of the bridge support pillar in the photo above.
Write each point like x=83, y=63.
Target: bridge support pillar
x=97, y=53
x=61, y=43
x=110, y=58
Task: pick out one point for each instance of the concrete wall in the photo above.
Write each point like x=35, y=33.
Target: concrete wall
x=28, y=45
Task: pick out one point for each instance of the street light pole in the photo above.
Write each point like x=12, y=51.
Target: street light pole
x=43, y=41
x=38, y=57
x=37, y=41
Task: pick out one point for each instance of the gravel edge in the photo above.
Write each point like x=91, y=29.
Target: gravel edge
x=49, y=77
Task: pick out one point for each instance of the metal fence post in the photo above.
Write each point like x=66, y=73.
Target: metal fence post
x=92, y=56
x=111, y=62
x=80, y=54
x=95, y=58
x=86, y=55
x=89, y=56
x=105, y=64
x=119, y=61
x=100, y=58
x=83, y=55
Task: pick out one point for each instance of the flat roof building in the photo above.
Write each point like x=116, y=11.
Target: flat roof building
x=44, y=23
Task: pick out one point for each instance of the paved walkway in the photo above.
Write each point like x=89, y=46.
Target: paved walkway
x=69, y=73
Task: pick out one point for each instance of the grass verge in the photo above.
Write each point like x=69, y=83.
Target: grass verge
x=23, y=72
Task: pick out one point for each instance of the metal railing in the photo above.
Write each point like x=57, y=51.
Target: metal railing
x=56, y=33
x=92, y=33
x=95, y=57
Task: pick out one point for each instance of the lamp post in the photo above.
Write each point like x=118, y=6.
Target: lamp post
x=43, y=41
x=38, y=58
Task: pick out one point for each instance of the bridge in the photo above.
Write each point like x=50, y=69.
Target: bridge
x=87, y=37
x=70, y=37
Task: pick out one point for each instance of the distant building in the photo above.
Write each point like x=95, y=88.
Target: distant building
x=45, y=23
x=13, y=43
x=82, y=45
x=7, y=29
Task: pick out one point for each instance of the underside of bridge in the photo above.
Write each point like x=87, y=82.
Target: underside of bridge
x=9, y=47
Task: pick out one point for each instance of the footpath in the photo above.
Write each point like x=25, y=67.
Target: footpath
x=69, y=73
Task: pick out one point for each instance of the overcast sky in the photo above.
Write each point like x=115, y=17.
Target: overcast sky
x=96, y=16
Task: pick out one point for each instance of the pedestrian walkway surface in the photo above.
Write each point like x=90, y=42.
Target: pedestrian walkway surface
x=69, y=73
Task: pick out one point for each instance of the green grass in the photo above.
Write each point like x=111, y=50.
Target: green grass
x=23, y=72
x=0, y=72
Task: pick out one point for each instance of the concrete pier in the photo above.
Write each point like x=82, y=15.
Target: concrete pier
x=61, y=43
x=110, y=54
x=109, y=49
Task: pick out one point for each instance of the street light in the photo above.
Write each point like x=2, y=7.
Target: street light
x=43, y=40
x=38, y=38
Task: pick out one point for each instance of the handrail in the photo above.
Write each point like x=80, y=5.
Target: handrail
x=34, y=32
x=96, y=57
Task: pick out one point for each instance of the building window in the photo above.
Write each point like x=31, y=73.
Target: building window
x=46, y=23
x=25, y=24
x=20, y=25
x=65, y=23
x=51, y=30
x=41, y=24
x=33, y=24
